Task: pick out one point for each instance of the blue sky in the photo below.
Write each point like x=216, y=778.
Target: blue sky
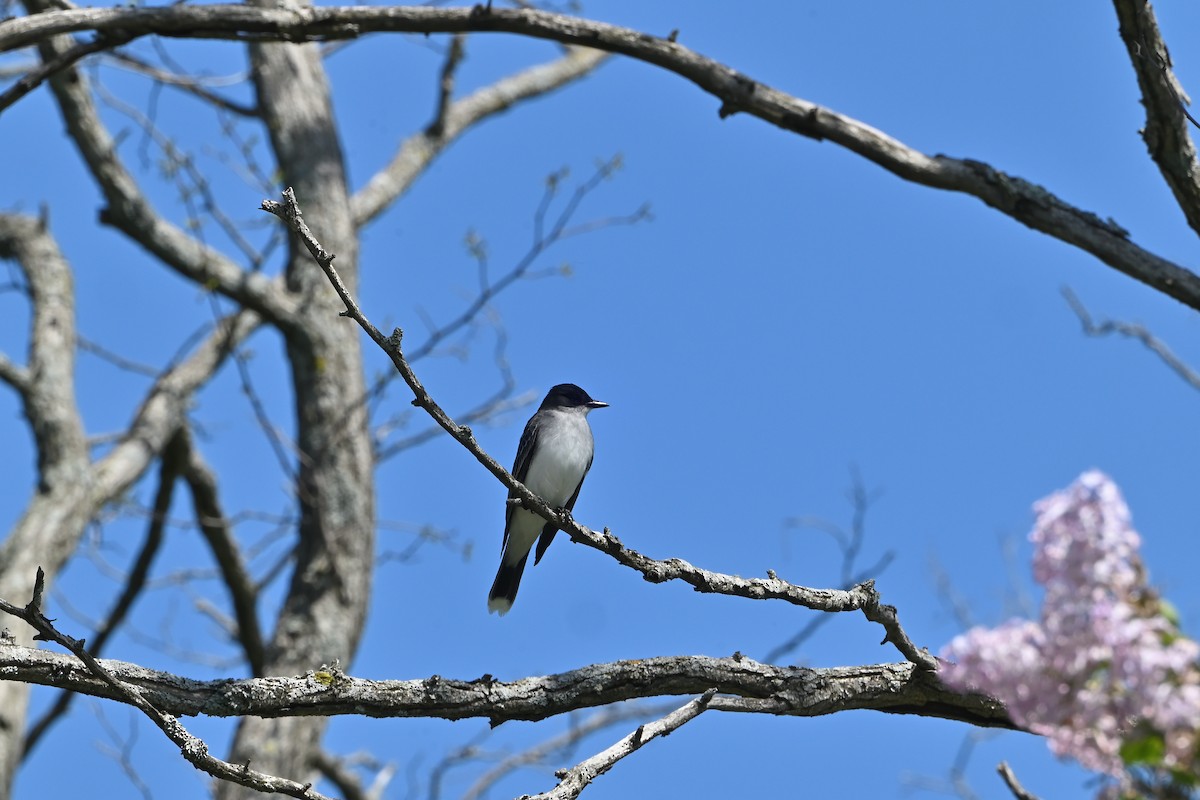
x=791, y=311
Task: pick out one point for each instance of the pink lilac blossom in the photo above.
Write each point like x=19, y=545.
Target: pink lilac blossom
x=1102, y=664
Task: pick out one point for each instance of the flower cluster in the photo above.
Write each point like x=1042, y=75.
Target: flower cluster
x=1104, y=674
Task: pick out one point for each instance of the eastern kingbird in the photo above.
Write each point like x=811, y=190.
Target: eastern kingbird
x=553, y=458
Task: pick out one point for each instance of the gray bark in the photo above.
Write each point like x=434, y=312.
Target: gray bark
x=325, y=608
x=746, y=686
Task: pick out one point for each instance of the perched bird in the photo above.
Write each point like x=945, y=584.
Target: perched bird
x=553, y=457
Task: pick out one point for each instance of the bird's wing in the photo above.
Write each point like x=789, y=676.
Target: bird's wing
x=520, y=468
x=549, y=530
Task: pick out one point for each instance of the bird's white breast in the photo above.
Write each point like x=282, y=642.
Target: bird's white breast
x=561, y=459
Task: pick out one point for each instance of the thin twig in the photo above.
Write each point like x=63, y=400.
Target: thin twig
x=573, y=781
x=134, y=584
x=192, y=748
x=39, y=74
x=569, y=738
x=748, y=686
x=1014, y=785
x=862, y=597
x=1132, y=331
x=217, y=531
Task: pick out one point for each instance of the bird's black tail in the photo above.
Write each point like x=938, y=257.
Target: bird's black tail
x=504, y=588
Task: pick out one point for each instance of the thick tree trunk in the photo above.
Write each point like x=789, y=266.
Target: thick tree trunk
x=323, y=614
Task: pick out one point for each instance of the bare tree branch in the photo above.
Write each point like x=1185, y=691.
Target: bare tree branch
x=899, y=688
x=567, y=739
x=863, y=597
x=118, y=361
x=850, y=544
x=573, y=781
x=55, y=517
x=1166, y=133
x=1014, y=785
x=955, y=783
x=329, y=587
x=1026, y=202
x=134, y=584
x=185, y=83
x=15, y=376
x=36, y=76
x=457, y=117
x=165, y=406
x=72, y=489
x=122, y=748
x=217, y=532
x=131, y=212
x=454, y=57
x=192, y=748
x=47, y=386
x=1132, y=331
x=339, y=771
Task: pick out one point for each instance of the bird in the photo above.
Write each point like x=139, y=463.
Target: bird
x=553, y=457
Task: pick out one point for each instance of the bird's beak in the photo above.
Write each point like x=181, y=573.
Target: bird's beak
x=597, y=404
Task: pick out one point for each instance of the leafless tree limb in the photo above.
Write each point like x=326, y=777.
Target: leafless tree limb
x=546, y=233
x=569, y=738
x=1133, y=331
x=37, y=75
x=455, y=117
x=862, y=598
x=339, y=771
x=215, y=527
x=47, y=384
x=186, y=83
x=486, y=410
x=446, y=79
x=1026, y=202
x=120, y=362
x=897, y=688
x=58, y=510
x=850, y=544
x=192, y=748
x=131, y=212
x=165, y=405
x=573, y=781
x=482, y=412
x=341, y=777
x=1014, y=785
x=543, y=239
x=122, y=748
x=1166, y=132
x=15, y=376
x=955, y=783
x=169, y=469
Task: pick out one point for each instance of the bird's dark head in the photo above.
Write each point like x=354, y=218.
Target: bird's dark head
x=568, y=395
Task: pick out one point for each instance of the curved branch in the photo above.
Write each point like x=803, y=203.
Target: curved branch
x=898, y=688
x=215, y=527
x=192, y=748
x=164, y=408
x=1026, y=202
x=568, y=739
x=573, y=781
x=456, y=118
x=47, y=385
x=131, y=212
x=16, y=376
x=1167, y=135
x=66, y=58
x=1132, y=330
x=861, y=598
x=169, y=468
